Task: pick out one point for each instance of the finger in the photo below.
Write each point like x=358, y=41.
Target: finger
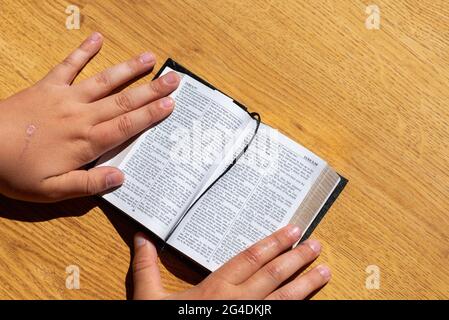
x=104, y=82
x=146, y=274
x=274, y=273
x=81, y=183
x=109, y=134
x=126, y=101
x=303, y=285
x=245, y=264
x=66, y=71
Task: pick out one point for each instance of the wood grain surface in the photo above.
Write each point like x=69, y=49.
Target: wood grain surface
x=373, y=103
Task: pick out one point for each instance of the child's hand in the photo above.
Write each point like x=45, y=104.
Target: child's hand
x=260, y=272
x=49, y=131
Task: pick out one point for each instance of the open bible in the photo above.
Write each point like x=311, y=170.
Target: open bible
x=180, y=185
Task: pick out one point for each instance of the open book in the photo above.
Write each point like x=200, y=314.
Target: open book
x=169, y=168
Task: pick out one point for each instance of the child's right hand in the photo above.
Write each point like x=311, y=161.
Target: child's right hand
x=263, y=271
x=50, y=130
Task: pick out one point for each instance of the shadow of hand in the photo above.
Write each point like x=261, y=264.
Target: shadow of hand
x=36, y=212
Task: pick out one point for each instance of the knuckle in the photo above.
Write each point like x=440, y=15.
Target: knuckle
x=304, y=252
x=276, y=242
x=86, y=47
x=300, y=255
x=308, y=285
x=125, y=125
x=69, y=62
x=274, y=271
x=253, y=255
x=123, y=102
x=155, y=87
x=85, y=144
x=142, y=263
x=103, y=78
x=132, y=65
x=90, y=186
x=151, y=116
x=89, y=153
x=285, y=294
x=89, y=134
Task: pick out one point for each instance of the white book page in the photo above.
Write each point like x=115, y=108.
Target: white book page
x=167, y=165
x=258, y=196
x=320, y=207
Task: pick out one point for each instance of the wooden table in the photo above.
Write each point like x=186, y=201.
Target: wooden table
x=374, y=103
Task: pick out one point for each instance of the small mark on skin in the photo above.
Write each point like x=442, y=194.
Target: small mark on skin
x=30, y=130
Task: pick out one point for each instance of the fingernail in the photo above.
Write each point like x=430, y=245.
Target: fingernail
x=96, y=36
x=147, y=57
x=140, y=240
x=167, y=102
x=324, y=271
x=314, y=245
x=114, y=179
x=171, y=78
x=294, y=232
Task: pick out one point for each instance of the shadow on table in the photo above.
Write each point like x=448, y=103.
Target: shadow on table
x=36, y=212
x=175, y=263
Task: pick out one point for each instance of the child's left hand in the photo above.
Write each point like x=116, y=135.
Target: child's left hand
x=50, y=130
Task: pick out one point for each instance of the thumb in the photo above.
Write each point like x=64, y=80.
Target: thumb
x=146, y=275
x=79, y=183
